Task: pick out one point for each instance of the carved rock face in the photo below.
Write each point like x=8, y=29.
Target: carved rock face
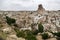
x=40, y=9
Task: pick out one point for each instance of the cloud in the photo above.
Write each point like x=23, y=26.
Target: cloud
x=52, y=4
x=29, y=4
x=17, y=5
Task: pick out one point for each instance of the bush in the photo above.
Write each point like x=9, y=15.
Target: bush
x=15, y=25
x=35, y=32
x=20, y=34
x=30, y=36
x=45, y=36
x=16, y=30
x=10, y=20
x=57, y=34
x=3, y=36
x=40, y=28
x=25, y=34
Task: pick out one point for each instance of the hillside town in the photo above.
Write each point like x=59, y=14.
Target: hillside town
x=29, y=20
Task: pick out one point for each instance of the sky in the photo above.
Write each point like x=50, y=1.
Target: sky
x=18, y=5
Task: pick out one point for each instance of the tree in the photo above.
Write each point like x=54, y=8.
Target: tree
x=45, y=36
x=29, y=36
x=57, y=34
x=40, y=28
x=25, y=34
x=10, y=20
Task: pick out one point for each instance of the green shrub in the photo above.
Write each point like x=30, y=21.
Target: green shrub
x=40, y=28
x=45, y=36
x=16, y=30
x=30, y=36
x=20, y=34
x=57, y=34
x=10, y=20
x=25, y=34
x=15, y=25
x=35, y=32
x=2, y=36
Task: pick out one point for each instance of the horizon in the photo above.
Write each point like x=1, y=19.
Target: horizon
x=28, y=5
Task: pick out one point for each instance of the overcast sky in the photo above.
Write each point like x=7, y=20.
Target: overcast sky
x=29, y=4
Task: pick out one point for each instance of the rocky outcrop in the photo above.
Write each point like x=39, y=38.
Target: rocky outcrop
x=40, y=9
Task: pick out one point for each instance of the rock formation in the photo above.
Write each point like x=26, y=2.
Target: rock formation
x=28, y=20
x=40, y=9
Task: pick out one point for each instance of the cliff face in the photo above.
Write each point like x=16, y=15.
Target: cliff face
x=25, y=19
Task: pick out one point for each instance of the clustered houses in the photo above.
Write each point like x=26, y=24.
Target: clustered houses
x=24, y=19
